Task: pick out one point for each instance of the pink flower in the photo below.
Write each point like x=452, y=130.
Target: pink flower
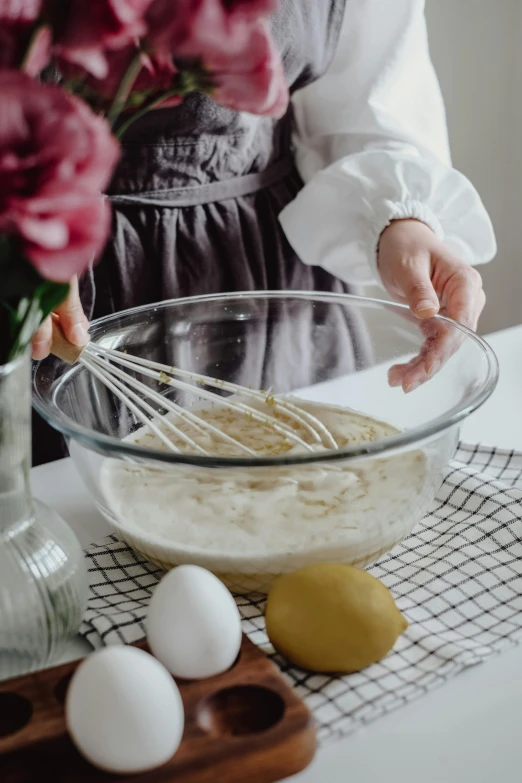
x=157, y=75
x=17, y=24
x=254, y=80
x=198, y=25
x=56, y=157
x=94, y=27
x=232, y=38
x=22, y=11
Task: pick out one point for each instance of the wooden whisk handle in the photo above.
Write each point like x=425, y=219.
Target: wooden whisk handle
x=61, y=347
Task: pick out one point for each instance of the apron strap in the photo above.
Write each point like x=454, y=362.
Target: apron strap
x=215, y=191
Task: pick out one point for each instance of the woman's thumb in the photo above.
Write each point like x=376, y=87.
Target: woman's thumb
x=418, y=289
x=72, y=318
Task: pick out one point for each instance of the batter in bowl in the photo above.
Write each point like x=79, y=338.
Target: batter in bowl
x=273, y=509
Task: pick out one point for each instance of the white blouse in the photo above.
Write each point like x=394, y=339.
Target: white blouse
x=371, y=146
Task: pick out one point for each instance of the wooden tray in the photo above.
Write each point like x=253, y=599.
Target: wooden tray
x=244, y=726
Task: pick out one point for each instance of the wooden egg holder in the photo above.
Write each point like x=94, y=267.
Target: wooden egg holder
x=244, y=726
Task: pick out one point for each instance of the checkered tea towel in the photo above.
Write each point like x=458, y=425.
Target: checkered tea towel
x=457, y=579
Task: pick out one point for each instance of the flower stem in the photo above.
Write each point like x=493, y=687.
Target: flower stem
x=124, y=89
x=141, y=112
x=32, y=40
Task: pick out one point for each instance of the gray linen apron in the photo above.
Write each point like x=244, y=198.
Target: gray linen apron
x=196, y=199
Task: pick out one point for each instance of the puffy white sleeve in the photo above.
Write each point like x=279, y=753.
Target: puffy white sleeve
x=371, y=145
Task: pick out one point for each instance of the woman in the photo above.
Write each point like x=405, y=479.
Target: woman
x=353, y=185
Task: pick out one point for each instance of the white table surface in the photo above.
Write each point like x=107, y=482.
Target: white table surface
x=467, y=730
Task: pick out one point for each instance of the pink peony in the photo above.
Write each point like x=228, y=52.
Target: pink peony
x=198, y=25
x=20, y=10
x=56, y=157
x=93, y=28
x=17, y=23
x=254, y=80
x=155, y=77
x=232, y=38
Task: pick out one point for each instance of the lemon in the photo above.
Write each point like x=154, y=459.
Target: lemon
x=332, y=618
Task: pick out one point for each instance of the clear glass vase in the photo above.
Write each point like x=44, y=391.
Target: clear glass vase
x=43, y=576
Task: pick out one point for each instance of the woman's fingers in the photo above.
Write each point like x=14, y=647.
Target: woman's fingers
x=73, y=321
x=442, y=341
x=404, y=260
x=464, y=296
x=460, y=289
x=414, y=281
x=417, y=268
x=41, y=342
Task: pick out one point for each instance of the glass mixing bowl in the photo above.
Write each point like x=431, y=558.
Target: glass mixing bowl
x=248, y=523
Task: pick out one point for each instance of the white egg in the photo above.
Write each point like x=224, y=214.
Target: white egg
x=124, y=711
x=193, y=624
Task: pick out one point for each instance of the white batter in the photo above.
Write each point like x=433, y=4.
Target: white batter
x=270, y=509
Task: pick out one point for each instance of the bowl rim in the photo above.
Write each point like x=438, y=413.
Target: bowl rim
x=107, y=443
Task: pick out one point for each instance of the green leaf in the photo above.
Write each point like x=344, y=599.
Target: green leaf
x=50, y=295
x=26, y=299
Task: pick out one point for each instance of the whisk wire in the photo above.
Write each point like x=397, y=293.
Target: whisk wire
x=110, y=367
x=307, y=420
x=124, y=398
x=162, y=378
x=170, y=406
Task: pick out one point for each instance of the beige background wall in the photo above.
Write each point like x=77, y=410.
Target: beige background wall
x=476, y=46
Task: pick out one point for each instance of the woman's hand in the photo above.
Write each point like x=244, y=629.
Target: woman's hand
x=417, y=268
x=72, y=320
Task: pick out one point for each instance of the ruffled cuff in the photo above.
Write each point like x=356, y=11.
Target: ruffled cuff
x=338, y=217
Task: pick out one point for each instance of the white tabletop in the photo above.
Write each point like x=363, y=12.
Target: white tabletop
x=467, y=730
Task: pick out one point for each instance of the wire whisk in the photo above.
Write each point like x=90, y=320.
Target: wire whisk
x=112, y=368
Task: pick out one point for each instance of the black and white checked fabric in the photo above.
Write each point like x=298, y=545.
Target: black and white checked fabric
x=457, y=578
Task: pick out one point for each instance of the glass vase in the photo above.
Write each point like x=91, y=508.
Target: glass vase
x=43, y=576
